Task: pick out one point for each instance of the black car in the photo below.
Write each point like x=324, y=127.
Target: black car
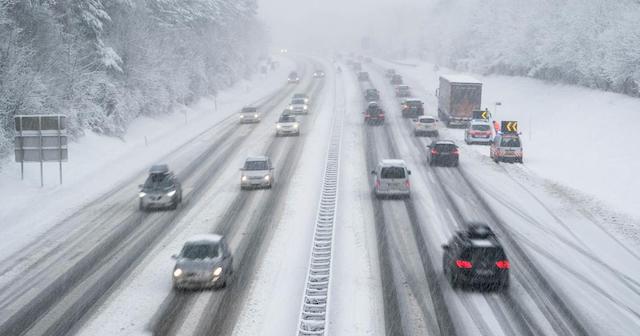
x=443, y=152
x=475, y=257
x=396, y=80
x=363, y=76
x=293, y=78
x=371, y=95
x=412, y=108
x=374, y=114
x=161, y=189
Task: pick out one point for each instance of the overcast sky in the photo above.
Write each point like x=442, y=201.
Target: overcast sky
x=321, y=24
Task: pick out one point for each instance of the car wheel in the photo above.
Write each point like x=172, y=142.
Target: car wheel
x=141, y=206
x=453, y=280
x=174, y=205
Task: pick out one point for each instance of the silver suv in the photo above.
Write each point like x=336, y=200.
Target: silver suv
x=425, y=125
x=249, y=114
x=204, y=262
x=161, y=189
x=299, y=106
x=257, y=172
x=391, y=178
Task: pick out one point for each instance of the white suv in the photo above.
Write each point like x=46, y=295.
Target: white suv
x=391, y=178
x=425, y=125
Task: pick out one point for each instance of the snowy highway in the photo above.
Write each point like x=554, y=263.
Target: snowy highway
x=106, y=269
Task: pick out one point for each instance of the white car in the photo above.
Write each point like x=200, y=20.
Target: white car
x=391, y=179
x=301, y=96
x=257, y=172
x=249, y=114
x=479, y=131
x=287, y=125
x=425, y=126
x=299, y=106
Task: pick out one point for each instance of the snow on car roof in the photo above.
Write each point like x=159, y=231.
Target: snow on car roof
x=460, y=79
x=257, y=158
x=214, y=238
x=482, y=242
x=393, y=162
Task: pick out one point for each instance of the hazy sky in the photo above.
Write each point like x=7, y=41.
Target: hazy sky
x=321, y=24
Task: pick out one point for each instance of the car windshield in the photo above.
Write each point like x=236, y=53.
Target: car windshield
x=413, y=103
x=249, y=109
x=298, y=101
x=510, y=142
x=287, y=118
x=392, y=172
x=200, y=251
x=483, y=128
x=256, y=165
x=300, y=95
x=445, y=147
x=158, y=181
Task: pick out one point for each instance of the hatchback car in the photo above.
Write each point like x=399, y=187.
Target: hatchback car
x=403, y=91
x=396, y=80
x=391, y=179
x=257, y=172
x=301, y=96
x=479, y=131
x=389, y=73
x=412, y=108
x=318, y=74
x=425, y=126
x=506, y=147
x=204, y=262
x=161, y=189
x=293, y=78
x=287, y=125
x=299, y=106
x=363, y=76
x=371, y=95
x=374, y=114
x=443, y=153
x=475, y=257
x=249, y=114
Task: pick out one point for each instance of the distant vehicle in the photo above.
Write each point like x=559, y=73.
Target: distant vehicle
x=287, y=125
x=391, y=178
x=476, y=257
x=371, y=95
x=412, y=108
x=425, y=125
x=443, y=153
x=301, y=96
x=402, y=91
x=357, y=66
x=458, y=96
x=204, y=262
x=293, y=78
x=479, y=131
x=284, y=51
x=318, y=74
x=161, y=189
x=506, y=147
x=396, y=80
x=299, y=106
x=390, y=73
x=257, y=172
x=363, y=76
x=368, y=59
x=374, y=114
x=249, y=114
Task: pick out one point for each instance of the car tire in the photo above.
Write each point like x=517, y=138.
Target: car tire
x=174, y=205
x=453, y=280
x=141, y=207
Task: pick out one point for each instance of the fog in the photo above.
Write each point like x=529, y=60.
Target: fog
x=322, y=25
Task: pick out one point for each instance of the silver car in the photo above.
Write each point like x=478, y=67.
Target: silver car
x=204, y=262
x=287, y=125
x=257, y=172
x=299, y=106
x=391, y=178
x=249, y=114
x=426, y=125
x=161, y=189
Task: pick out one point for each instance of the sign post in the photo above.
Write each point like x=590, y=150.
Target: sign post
x=41, y=138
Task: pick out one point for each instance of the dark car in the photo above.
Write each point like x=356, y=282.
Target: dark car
x=474, y=257
x=318, y=74
x=443, y=153
x=412, y=108
x=161, y=189
x=293, y=78
x=396, y=80
x=374, y=114
x=204, y=262
x=390, y=73
x=371, y=95
x=363, y=76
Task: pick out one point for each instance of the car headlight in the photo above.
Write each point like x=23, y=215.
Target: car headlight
x=171, y=193
x=177, y=273
x=278, y=126
x=217, y=271
x=241, y=116
x=290, y=107
x=142, y=194
x=295, y=125
x=305, y=107
x=255, y=115
x=267, y=177
x=243, y=178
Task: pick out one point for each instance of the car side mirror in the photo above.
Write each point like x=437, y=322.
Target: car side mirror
x=175, y=256
x=445, y=247
x=408, y=172
x=415, y=120
x=373, y=172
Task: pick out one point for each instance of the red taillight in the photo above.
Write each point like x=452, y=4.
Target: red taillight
x=377, y=184
x=407, y=184
x=463, y=264
x=367, y=115
x=434, y=152
x=456, y=152
x=503, y=264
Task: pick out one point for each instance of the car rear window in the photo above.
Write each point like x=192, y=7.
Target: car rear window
x=200, y=251
x=510, y=142
x=478, y=254
x=483, y=128
x=392, y=172
x=256, y=165
x=427, y=121
x=445, y=147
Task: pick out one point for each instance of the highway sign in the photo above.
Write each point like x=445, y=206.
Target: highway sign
x=509, y=126
x=482, y=115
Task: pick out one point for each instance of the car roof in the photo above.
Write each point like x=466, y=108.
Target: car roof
x=402, y=86
x=443, y=142
x=299, y=94
x=257, y=158
x=426, y=117
x=392, y=163
x=480, y=122
x=159, y=169
x=454, y=78
x=207, y=237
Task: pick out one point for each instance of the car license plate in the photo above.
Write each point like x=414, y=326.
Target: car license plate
x=484, y=272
